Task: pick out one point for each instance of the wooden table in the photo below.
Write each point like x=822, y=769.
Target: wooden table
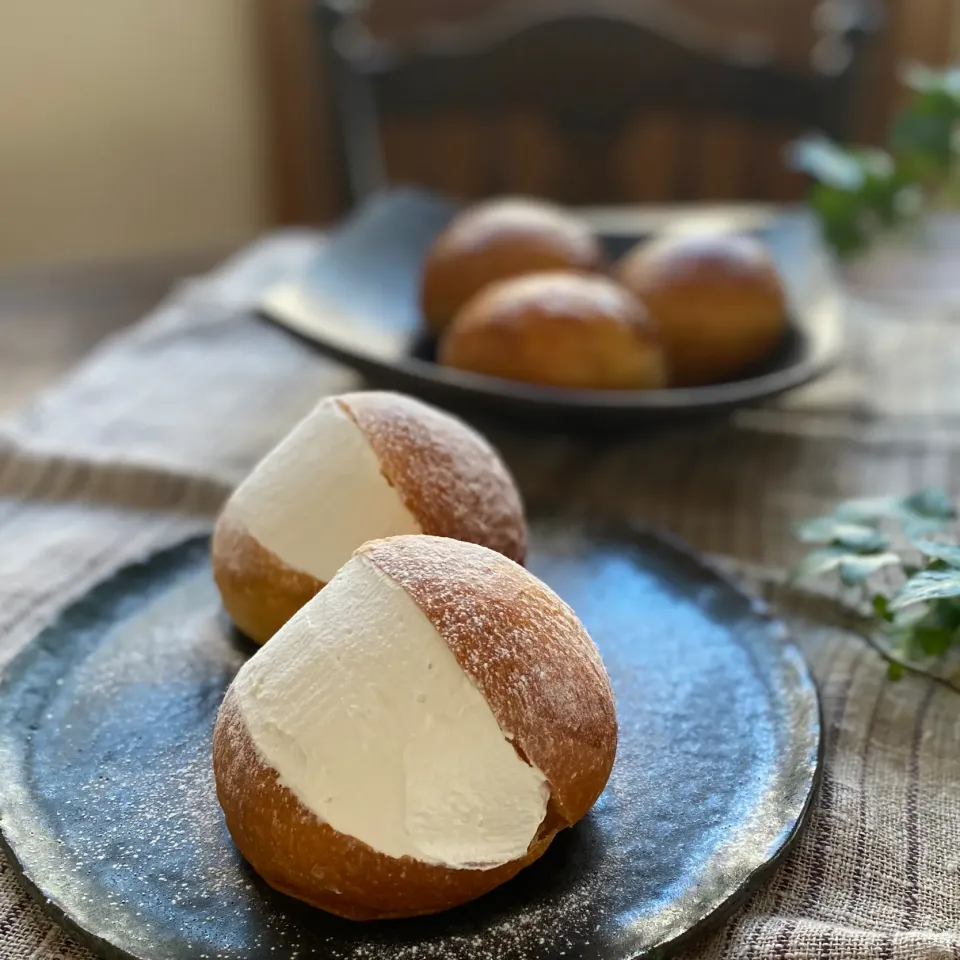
x=50, y=318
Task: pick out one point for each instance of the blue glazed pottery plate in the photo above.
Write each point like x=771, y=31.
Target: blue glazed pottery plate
x=110, y=817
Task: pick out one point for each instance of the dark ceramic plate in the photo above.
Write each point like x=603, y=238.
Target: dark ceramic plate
x=108, y=807
x=358, y=303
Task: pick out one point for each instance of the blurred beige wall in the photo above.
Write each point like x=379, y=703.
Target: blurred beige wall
x=128, y=128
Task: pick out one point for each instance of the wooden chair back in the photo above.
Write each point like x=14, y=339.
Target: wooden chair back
x=589, y=101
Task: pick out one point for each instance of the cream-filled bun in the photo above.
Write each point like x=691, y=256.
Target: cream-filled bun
x=416, y=734
x=360, y=466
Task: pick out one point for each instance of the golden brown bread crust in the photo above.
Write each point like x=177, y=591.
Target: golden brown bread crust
x=717, y=300
x=559, y=329
x=300, y=855
x=540, y=673
x=449, y=477
x=526, y=652
x=259, y=591
x=498, y=239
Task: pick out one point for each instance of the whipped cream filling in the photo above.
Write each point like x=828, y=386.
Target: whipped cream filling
x=365, y=714
x=319, y=494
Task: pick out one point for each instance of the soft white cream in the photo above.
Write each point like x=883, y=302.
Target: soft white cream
x=365, y=714
x=319, y=495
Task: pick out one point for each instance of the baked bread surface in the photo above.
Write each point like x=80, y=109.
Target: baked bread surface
x=544, y=682
x=497, y=239
x=448, y=479
x=557, y=329
x=717, y=301
x=448, y=475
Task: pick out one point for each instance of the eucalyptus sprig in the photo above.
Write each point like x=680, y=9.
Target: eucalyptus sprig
x=917, y=609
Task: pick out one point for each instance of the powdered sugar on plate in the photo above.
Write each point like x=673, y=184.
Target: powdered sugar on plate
x=108, y=802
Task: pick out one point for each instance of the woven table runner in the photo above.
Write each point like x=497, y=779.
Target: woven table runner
x=137, y=449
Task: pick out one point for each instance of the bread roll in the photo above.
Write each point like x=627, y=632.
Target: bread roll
x=359, y=467
x=558, y=329
x=416, y=734
x=716, y=299
x=499, y=239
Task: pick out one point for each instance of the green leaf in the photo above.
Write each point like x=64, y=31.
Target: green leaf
x=934, y=641
x=927, y=510
x=840, y=220
x=861, y=539
x=948, y=553
x=924, y=80
x=927, y=585
x=868, y=510
x=894, y=671
x=828, y=162
x=856, y=537
x=816, y=530
x=882, y=192
x=820, y=561
x=855, y=570
x=925, y=137
x=945, y=613
x=932, y=504
x=881, y=607
x=914, y=525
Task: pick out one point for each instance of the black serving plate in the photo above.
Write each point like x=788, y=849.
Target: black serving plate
x=358, y=302
x=109, y=813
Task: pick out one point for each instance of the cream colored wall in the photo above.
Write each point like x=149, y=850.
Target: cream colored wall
x=128, y=128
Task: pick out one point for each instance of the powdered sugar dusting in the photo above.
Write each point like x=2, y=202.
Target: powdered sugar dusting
x=105, y=742
x=526, y=651
x=448, y=475
x=367, y=718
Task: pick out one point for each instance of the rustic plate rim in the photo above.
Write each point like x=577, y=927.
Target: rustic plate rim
x=598, y=527
x=816, y=326
x=465, y=385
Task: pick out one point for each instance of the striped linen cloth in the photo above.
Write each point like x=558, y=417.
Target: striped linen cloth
x=139, y=446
